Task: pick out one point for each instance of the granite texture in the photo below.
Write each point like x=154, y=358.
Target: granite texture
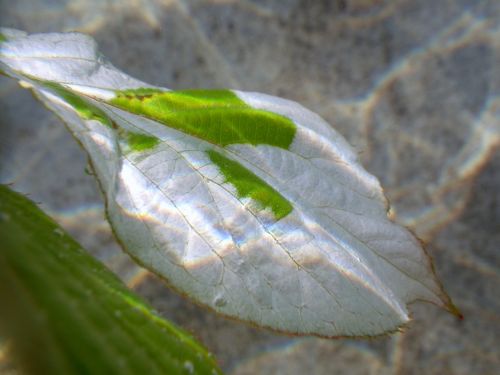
x=414, y=85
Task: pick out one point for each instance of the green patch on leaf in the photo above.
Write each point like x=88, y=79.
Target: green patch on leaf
x=216, y=116
x=65, y=313
x=141, y=142
x=3, y=38
x=85, y=110
x=249, y=185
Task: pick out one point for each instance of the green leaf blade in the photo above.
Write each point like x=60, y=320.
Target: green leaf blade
x=66, y=313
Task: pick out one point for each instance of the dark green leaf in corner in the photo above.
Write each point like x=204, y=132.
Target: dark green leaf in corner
x=65, y=313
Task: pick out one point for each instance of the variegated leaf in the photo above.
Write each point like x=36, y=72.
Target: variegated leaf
x=248, y=203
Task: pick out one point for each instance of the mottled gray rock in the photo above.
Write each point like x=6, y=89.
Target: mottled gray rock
x=413, y=85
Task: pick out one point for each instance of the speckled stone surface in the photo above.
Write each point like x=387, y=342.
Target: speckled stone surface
x=414, y=85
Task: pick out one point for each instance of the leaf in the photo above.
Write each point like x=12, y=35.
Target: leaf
x=249, y=204
x=65, y=313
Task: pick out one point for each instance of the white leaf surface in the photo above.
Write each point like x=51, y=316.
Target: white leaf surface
x=249, y=204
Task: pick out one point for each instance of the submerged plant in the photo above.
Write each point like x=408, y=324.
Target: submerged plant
x=247, y=203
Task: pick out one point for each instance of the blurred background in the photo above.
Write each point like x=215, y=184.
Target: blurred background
x=414, y=85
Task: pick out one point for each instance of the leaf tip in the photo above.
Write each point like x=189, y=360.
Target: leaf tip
x=451, y=308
